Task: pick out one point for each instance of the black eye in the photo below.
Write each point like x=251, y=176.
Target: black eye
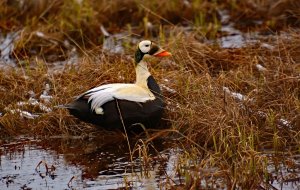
x=147, y=45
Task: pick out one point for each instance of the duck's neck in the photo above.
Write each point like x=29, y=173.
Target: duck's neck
x=142, y=74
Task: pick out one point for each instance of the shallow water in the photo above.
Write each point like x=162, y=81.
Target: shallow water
x=285, y=175
x=105, y=163
x=60, y=163
x=7, y=47
x=18, y=162
x=100, y=163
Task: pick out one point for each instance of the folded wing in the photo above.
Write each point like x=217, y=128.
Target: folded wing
x=105, y=93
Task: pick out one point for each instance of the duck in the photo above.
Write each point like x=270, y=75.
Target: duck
x=125, y=105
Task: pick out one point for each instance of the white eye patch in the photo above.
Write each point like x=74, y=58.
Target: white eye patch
x=145, y=46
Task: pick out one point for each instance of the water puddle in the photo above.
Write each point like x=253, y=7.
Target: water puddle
x=106, y=162
x=18, y=167
x=285, y=175
x=75, y=163
x=99, y=163
x=232, y=37
x=7, y=47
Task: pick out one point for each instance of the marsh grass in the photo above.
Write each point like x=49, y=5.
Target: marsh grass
x=47, y=27
x=223, y=139
x=225, y=134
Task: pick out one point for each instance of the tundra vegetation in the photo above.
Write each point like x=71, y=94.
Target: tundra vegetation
x=234, y=110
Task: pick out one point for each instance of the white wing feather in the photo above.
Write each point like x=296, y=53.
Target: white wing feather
x=105, y=93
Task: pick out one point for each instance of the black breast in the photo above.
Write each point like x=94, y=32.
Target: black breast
x=153, y=86
x=148, y=114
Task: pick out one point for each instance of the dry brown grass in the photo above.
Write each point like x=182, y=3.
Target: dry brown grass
x=216, y=130
x=79, y=23
x=236, y=131
x=227, y=134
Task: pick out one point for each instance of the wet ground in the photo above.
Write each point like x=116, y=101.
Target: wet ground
x=99, y=163
x=75, y=163
x=105, y=162
x=93, y=163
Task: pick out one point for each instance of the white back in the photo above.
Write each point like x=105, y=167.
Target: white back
x=105, y=93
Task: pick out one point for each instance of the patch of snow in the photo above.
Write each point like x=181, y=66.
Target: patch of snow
x=24, y=114
x=45, y=95
x=285, y=123
x=111, y=43
x=34, y=102
x=225, y=17
x=168, y=89
x=267, y=46
x=7, y=47
x=235, y=95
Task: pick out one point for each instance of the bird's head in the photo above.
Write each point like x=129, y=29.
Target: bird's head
x=149, y=48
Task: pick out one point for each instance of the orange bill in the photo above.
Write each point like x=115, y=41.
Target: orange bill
x=163, y=54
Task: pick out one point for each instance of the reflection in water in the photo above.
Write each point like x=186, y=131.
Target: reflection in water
x=18, y=162
x=285, y=175
x=91, y=163
x=105, y=163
